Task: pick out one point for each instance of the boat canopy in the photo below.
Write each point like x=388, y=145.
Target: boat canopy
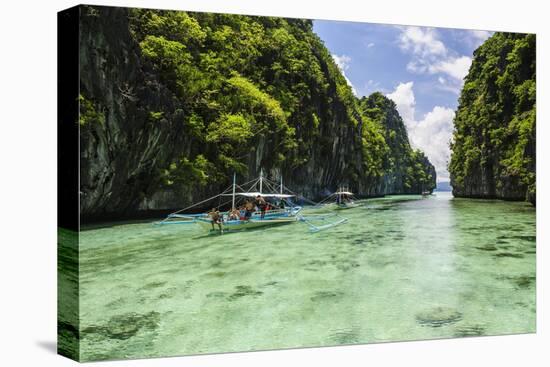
x=255, y=194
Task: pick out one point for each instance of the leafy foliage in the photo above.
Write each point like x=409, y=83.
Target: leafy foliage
x=90, y=112
x=186, y=173
x=231, y=128
x=395, y=156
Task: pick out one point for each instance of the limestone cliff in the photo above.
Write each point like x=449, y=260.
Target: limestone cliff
x=406, y=171
x=494, y=148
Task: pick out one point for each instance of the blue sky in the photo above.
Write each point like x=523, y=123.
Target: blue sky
x=420, y=68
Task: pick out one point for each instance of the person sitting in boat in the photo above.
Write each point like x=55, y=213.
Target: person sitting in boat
x=248, y=209
x=242, y=212
x=216, y=218
x=261, y=203
x=234, y=214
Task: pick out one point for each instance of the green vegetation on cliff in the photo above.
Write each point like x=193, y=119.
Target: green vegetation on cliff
x=244, y=78
x=493, y=149
x=248, y=81
x=405, y=170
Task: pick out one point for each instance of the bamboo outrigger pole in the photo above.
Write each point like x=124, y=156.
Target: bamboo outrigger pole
x=233, y=196
x=261, y=179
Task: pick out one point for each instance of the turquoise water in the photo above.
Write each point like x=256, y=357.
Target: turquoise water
x=401, y=268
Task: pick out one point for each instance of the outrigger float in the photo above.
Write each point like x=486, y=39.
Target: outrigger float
x=280, y=209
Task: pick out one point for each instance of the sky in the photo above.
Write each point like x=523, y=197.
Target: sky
x=420, y=68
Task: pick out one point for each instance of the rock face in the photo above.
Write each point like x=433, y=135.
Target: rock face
x=405, y=171
x=133, y=140
x=494, y=148
x=122, y=149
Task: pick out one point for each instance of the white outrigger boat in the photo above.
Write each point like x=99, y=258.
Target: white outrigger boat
x=345, y=200
x=426, y=193
x=340, y=200
x=280, y=209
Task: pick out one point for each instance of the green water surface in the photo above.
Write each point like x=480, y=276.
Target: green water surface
x=402, y=268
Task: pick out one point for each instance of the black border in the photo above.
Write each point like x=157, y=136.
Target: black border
x=68, y=183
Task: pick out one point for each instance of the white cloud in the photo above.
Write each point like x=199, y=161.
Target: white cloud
x=371, y=44
x=371, y=82
x=423, y=42
x=454, y=67
x=371, y=86
x=403, y=96
x=342, y=61
x=478, y=37
x=418, y=66
x=343, y=64
x=432, y=133
x=429, y=55
x=449, y=86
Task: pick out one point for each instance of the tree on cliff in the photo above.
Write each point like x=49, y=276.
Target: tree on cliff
x=405, y=170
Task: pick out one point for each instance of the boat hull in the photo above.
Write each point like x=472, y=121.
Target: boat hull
x=238, y=225
x=346, y=206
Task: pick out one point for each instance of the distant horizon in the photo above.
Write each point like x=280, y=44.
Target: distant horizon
x=443, y=186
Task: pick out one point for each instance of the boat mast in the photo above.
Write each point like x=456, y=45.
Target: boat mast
x=281, y=184
x=233, y=196
x=261, y=179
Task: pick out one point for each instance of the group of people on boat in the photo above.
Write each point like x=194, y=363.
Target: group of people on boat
x=244, y=212
x=343, y=199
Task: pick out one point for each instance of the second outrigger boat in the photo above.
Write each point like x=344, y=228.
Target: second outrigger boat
x=345, y=200
x=340, y=200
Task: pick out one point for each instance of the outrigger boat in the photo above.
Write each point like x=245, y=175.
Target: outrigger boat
x=345, y=200
x=425, y=193
x=342, y=199
x=280, y=209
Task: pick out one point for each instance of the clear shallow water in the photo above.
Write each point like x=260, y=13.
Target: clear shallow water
x=403, y=268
